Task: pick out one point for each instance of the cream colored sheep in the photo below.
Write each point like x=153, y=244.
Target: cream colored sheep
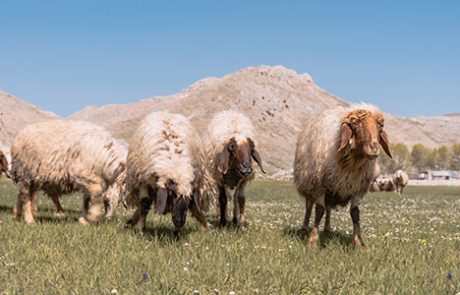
x=115, y=193
x=400, y=180
x=166, y=165
x=231, y=149
x=61, y=157
x=335, y=161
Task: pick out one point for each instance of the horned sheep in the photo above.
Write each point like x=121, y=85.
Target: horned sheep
x=231, y=149
x=61, y=156
x=335, y=162
x=167, y=166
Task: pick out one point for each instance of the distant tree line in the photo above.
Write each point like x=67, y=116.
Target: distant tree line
x=420, y=158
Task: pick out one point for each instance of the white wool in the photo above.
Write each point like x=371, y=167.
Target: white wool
x=222, y=127
x=66, y=155
x=315, y=166
x=164, y=148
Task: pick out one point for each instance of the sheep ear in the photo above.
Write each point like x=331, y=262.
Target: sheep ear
x=161, y=200
x=225, y=156
x=383, y=139
x=345, y=135
x=258, y=159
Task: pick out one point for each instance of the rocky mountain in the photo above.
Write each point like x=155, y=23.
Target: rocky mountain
x=15, y=114
x=275, y=98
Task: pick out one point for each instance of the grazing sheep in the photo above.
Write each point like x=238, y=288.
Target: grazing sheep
x=4, y=165
x=166, y=166
x=115, y=193
x=400, y=180
x=232, y=148
x=335, y=162
x=382, y=185
x=61, y=157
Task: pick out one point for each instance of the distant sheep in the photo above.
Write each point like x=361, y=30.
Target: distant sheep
x=4, y=165
x=231, y=149
x=400, y=180
x=335, y=162
x=61, y=157
x=166, y=165
x=382, y=185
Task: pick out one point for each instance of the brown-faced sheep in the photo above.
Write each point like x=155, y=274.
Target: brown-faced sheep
x=61, y=157
x=232, y=148
x=400, y=180
x=166, y=166
x=335, y=162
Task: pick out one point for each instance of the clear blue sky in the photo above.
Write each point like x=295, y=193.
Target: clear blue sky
x=64, y=55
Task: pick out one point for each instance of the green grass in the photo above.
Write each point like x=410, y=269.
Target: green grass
x=413, y=242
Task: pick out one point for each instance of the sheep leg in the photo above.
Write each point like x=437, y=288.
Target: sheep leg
x=198, y=214
x=236, y=208
x=327, y=224
x=29, y=204
x=240, y=196
x=314, y=235
x=57, y=204
x=357, y=240
x=22, y=197
x=144, y=208
x=95, y=203
x=306, y=220
x=223, y=206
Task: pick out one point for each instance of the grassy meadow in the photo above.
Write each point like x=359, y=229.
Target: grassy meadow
x=413, y=245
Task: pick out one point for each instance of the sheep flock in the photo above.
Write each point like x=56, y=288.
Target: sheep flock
x=176, y=168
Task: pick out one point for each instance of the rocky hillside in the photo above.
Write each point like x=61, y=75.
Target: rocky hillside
x=275, y=98
x=15, y=114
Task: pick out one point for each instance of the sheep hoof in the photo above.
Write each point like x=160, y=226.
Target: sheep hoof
x=223, y=223
x=314, y=236
x=59, y=214
x=358, y=243
x=83, y=220
x=328, y=230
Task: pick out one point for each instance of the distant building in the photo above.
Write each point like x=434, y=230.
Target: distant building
x=439, y=175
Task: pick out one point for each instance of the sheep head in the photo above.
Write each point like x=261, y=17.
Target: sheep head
x=239, y=156
x=362, y=131
x=3, y=165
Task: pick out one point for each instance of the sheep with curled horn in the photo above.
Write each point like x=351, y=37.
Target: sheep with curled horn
x=63, y=156
x=232, y=148
x=167, y=166
x=335, y=162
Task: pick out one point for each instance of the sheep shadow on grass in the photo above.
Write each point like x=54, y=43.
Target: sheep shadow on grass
x=325, y=238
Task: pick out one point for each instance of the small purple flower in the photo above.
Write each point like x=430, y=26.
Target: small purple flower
x=449, y=275
x=145, y=275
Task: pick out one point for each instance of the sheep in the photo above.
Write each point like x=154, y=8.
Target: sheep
x=335, y=162
x=112, y=196
x=382, y=185
x=400, y=180
x=60, y=156
x=167, y=166
x=231, y=149
x=4, y=165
